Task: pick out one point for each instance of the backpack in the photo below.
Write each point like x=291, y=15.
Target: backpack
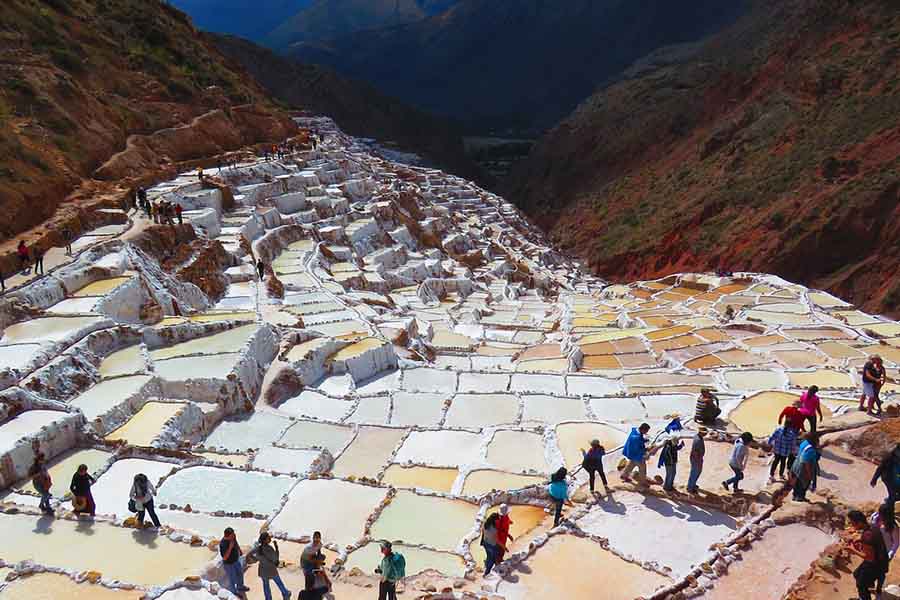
x=399, y=565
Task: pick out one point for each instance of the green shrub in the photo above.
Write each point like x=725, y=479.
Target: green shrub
x=67, y=60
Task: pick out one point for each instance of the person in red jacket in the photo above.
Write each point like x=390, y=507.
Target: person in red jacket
x=503, y=535
x=792, y=417
x=22, y=253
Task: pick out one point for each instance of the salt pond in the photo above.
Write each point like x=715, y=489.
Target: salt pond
x=450, y=521
x=210, y=489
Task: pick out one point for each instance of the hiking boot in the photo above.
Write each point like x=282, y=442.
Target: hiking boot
x=725, y=485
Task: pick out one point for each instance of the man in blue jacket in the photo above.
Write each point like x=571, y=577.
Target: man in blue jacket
x=635, y=451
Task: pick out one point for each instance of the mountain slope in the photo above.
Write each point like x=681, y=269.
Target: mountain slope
x=327, y=19
x=520, y=62
x=251, y=19
x=358, y=107
x=775, y=146
x=79, y=77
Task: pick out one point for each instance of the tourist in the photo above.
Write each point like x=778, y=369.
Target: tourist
x=489, y=543
x=559, y=493
x=792, y=417
x=261, y=269
x=889, y=472
x=38, y=260
x=22, y=253
x=2, y=283
x=592, y=462
x=80, y=487
x=810, y=406
x=142, y=492
x=738, y=462
x=885, y=520
x=783, y=440
x=707, y=409
x=805, y=466
x=635, y=451
x=873, y=377
x=269, y=560
x=668, y=458
x=309, y=561
x=67, y=238
x=867, y=543
x=392, y=570
x=230, y=551
x=42, y=482
x=503, y=535
x=698, y=452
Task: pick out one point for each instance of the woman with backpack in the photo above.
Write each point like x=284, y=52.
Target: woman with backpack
x=269, y=560
x=559, y=493
x=392, y=569
x=490, y=543
x=668, y=458
x=142, y=493
x=40, y=479
x=80, y=487
x=592, y=462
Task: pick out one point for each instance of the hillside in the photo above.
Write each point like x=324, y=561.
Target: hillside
x=327, y=19
x=517, y=63
x=774, y=146
x=358, y=107
x=84, y=80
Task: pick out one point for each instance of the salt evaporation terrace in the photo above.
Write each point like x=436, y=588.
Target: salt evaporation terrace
x=431, y=358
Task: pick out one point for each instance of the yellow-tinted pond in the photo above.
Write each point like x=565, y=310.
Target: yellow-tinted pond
x=101, y=287
x=758, y=414
x=824, y=378
x=116, y=552
x=146, y=424
x=357, y=349
x=427, y=478
x=46, y=329
x=483, y=481
x=226, y=341
x=567, y=567
x=123, y=362
x=50, y=586
x=448, y=521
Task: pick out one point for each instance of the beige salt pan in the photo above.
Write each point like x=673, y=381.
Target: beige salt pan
x=450, y=520
x=485, y=480
x=146, y=424
x=50, y=586
x=427, y=478
x=101, y=287
x=369, y=453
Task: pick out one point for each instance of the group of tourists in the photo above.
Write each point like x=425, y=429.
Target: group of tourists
x=27, y=257
x=279, y=151
x=162, y=212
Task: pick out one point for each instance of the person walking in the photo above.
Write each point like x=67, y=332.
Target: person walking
x=668, y=459
x=698, y=453
x=635, y=451
x=489, y=543
x=782, y=441
x=392, y=569
x=80, y=487
x=2, y=283
x=38, y=260
x=261, y=269
x=738, y=462
x=178, y=211
x=873, y=377
x=22, y=254
x=592, y=462
x=559, y=493
x=230, y=551
x=67, y=239
x=707, y=409
x=503, y=535
x=309, y=561
x=792, y=417
x=888, y=471
x=269, y=559
x=885, y=521
x=42, y=482
x=810, y=406
x=142, y=493
x=867, y=543
x=805, y=467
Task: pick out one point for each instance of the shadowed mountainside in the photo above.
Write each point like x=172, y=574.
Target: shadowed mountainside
x=774, y=146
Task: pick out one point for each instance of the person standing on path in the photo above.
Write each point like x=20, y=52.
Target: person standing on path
x=230, y=551
x=490, y=543
x=67, y=238
x=873, y=377
x=805, y=467
x=592, y=462
x=867, y=543
x=178, y=211
x=698, y=452
x=142, y=492
x=635, y=451
x=22, y=254
x=42, y=482
x=885, y=521
x=38, y=260
x=261, y=269
x=309, y=561
x=792, y=417
x=559, y=493
x=503, y=535
x=269, y=559
x=392, y=569
x=888, y=471
x=810, y=406
x=668, y=458
x=782, y=441
x=81, y=490
x=738, y=461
